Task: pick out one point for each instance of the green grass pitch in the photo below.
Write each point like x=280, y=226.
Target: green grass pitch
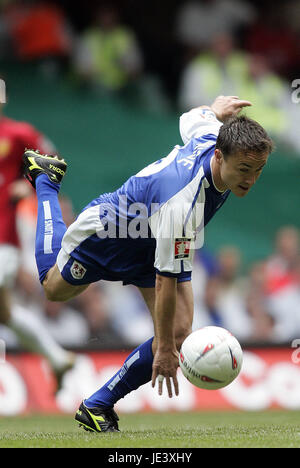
x=273, y=429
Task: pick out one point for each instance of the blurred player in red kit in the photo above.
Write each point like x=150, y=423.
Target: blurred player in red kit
x=14, y=138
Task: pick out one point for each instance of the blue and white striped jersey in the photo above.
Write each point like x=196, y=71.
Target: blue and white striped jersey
x=156, y=219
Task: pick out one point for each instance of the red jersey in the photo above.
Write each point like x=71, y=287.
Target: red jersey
x=14, y=138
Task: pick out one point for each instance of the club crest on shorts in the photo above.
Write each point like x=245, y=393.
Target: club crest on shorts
x=77, y=270
x=182, y=248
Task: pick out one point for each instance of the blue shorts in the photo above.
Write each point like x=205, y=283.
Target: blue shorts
x=87, y=274
x=86, y=258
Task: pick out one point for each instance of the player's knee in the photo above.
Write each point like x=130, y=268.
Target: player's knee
x=53, y=288
x=51, y=295
x=54, y=294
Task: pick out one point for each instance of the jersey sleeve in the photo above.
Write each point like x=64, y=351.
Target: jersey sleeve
x=197, y=123
x=174, y=240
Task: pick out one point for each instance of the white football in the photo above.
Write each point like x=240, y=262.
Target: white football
x=211, y=358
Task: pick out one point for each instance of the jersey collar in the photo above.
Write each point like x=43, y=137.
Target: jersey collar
x=208, y=174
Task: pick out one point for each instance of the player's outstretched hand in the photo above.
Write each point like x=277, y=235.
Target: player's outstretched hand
x=225, y=107
x=164, y=368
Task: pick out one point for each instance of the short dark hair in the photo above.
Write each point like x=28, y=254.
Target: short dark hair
x=242, y=134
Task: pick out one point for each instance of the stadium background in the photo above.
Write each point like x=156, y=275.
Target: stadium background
x=107, y=135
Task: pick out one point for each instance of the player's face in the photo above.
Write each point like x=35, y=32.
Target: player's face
x=239, y=172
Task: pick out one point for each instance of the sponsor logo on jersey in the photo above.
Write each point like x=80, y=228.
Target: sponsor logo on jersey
x=182, y=248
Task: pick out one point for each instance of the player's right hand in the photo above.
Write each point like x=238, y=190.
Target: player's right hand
x=165, y=365
x=225, y=107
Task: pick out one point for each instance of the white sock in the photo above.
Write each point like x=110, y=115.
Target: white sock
x=34, y=337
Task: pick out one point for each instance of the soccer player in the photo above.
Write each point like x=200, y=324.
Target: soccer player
x=15, y=137
x=145, y=234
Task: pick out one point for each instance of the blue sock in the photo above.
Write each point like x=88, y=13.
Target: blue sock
x=136, y=371
x=50, y=225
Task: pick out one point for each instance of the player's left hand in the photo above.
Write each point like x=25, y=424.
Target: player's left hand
x=164, y=367
x=225, y=107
